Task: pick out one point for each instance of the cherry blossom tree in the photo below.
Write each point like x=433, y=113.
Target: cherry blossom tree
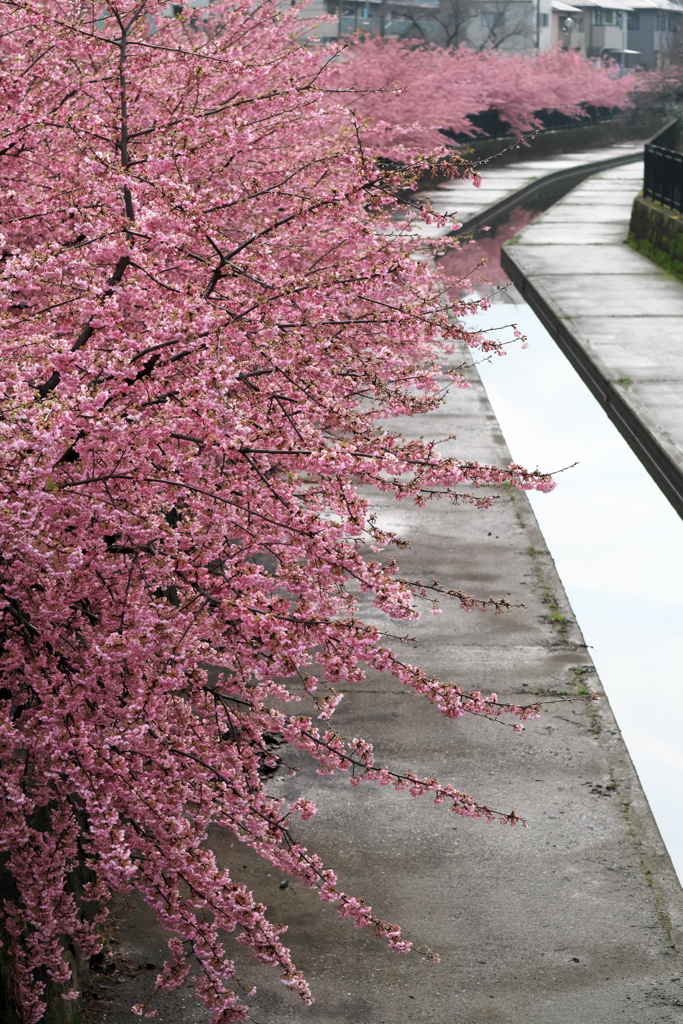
x=436, y=88
x=207, y=313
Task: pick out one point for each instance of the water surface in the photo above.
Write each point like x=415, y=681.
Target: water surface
x=616, y=541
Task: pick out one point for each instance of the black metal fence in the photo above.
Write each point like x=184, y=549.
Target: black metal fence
x=663, y=179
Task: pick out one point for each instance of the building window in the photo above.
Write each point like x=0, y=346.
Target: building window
x=603, y=17
x=633, y=20
x=543, y=20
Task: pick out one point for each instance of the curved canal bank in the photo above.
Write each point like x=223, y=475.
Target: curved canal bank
x=617, y=545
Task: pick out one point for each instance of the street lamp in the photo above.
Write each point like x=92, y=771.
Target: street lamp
x=567, y=27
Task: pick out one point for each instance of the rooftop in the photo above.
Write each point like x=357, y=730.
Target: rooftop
x=656, y=5
x=614, y=5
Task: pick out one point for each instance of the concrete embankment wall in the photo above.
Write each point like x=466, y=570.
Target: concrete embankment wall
x=657, y=233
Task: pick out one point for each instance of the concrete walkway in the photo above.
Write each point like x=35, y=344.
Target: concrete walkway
x=504, y=187
x=616, y=315
x=576, y=920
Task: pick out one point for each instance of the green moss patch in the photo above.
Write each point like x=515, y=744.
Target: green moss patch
x=657, y=233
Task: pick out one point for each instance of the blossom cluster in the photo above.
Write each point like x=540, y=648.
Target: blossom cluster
x=416, y=91
x=206, y=316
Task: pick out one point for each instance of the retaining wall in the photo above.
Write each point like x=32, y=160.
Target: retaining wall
x=657, y=232
x=564, y=140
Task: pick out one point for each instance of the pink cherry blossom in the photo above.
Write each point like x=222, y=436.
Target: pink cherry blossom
x=411, y=92
x=207, y=315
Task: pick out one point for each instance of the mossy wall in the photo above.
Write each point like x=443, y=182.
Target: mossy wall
x=657, y=232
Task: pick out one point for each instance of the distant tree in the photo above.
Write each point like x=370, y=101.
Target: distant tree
x=445, y=25
x=660, y=92
x=426, y=88
x=505, y=21
x=481, y=24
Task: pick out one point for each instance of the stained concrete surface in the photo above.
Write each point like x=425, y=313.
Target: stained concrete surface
x=585, y=260
x=565, y=234
x=577, y=919
x=615, y=314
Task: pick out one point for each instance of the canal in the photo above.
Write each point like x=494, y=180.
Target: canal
x=616, y=541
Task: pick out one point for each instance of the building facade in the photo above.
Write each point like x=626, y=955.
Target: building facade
x=654, y=32
x=633, y=34
x=511, y=25
x=568, y=27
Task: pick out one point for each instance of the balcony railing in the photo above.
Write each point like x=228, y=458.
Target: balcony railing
x=663, y=180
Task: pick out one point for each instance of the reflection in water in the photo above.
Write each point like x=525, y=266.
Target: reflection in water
x=618, y=547
x=463, y=265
